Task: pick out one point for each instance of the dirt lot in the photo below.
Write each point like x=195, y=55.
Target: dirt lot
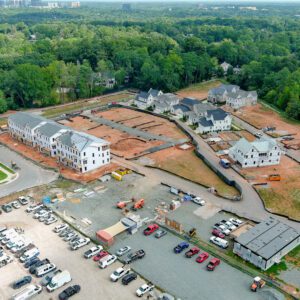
x=279, y=196
x=122, y=143
x=94, y=282
x=260, y=116
x=198, y=90
x=50, y=162
x=188, y=165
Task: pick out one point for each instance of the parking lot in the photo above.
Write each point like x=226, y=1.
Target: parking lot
x=29, y=174
x=94, y=282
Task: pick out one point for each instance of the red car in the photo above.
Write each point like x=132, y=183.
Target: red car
x=218, y=233
x=212, y=264
x=100, y=255
x=150, y=229
x=202, y=257
x=193, y=251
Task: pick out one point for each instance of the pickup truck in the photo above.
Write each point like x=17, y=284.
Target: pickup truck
x=134, y=256
x=212, y=264
x=193, y=251
x=180, y=247
x=119, y=273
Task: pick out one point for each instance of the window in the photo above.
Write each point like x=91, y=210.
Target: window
x=103, y=161
x=98, y=148
x=93, y=155
x=93, y=162
x=85, y=168
x=83, y=153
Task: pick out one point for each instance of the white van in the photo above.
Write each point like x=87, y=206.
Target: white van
x=42, y=270
x=7, y=233
x=106, y=261
x=59, y=280
x=219, y=242
x=29, y=254
x=29, y=292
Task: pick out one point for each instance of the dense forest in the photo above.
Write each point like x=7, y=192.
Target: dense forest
x=52, y=56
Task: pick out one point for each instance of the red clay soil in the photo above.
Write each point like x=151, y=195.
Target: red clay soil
x=122, y=144
x=50, y=162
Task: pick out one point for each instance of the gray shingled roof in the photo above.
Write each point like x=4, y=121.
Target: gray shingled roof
x=189, y=101
x=182, y=107
x=50, y=128
x=261, y=145
x=153, y=92
x=218, y=114
x=26, y=119
x=205, y=123
x=268, y=238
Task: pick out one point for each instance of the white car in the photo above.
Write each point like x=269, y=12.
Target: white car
x=236, y=222
x=40, y=213
x=224, y=229
x=5, y=259
x=230, y=225
x=106, y=261
x=219, y=242
x=80, y=243
x=15, y=204
x=51, y=220
x=145, y=288
x=33, y=207
x=93, y=251
x=198, y=201
x=60, y=227
x=119, y=273
x=123, y=250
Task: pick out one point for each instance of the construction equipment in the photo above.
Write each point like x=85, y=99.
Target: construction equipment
x=258, y=283
x=138, y=204
x=123, y=172
x=116, y=176
x=274, y=177
x=122, y=204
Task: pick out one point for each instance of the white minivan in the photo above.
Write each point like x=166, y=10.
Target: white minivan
x=29, y=254
x=59, y=280
x=44, y=269
x=219, y=242
x=29, y=292
x=106, y=261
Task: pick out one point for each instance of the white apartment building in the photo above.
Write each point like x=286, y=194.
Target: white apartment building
x=214, y=120
x=82, y=151
x=74, y=149
x=263, y=152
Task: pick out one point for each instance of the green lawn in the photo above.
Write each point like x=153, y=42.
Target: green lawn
x=2, y=176
x=6, y=168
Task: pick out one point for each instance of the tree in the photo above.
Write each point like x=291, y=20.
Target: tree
x=3, y=103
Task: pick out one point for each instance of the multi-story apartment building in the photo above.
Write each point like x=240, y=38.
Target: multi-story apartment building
x=77, y=150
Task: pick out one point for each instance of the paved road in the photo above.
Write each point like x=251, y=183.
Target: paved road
x=133, y=131
x=29, y=174
x=250, y=207
x=289, y=152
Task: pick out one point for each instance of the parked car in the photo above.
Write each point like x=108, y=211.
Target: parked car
x=150, y=229
x=107, y=261
x=236, y=222
x=144, y=289
x=15, y=204
x=139, y=254
x=119, y=273
x=60, y=227
x=45, y=269
x=40, y=213
x=5, y=259
x=29, y=254
x=65, y=232
x=230, y=226
x=6, y=208
x=45, y=217
x=50, y=220
x=198, y=201
x=193, y=251
x=29, y=292
x=218, y=233
x=21, y=282
x=202, y=257
x=128, y=278
x=38, y=264
x=93, y=251
x=224, y=229
x=23, y=200
x=100, y=255
x=160, y=233
x=123, y=250
x=74, y=239
x=31, y=262
x=80, y=243
x=46, y=279
x=69, y=292
x=212, y=264
x=219, y=242
x=70, y=236
x=180, y=247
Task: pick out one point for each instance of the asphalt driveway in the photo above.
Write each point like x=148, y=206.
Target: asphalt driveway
x=29, y=175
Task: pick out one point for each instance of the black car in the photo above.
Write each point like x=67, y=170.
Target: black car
x=7, y=208
x=134, y=256
x=128, y=278
x=33, y=268
x=19, y=283
x=68, y=292
x=31, y=262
